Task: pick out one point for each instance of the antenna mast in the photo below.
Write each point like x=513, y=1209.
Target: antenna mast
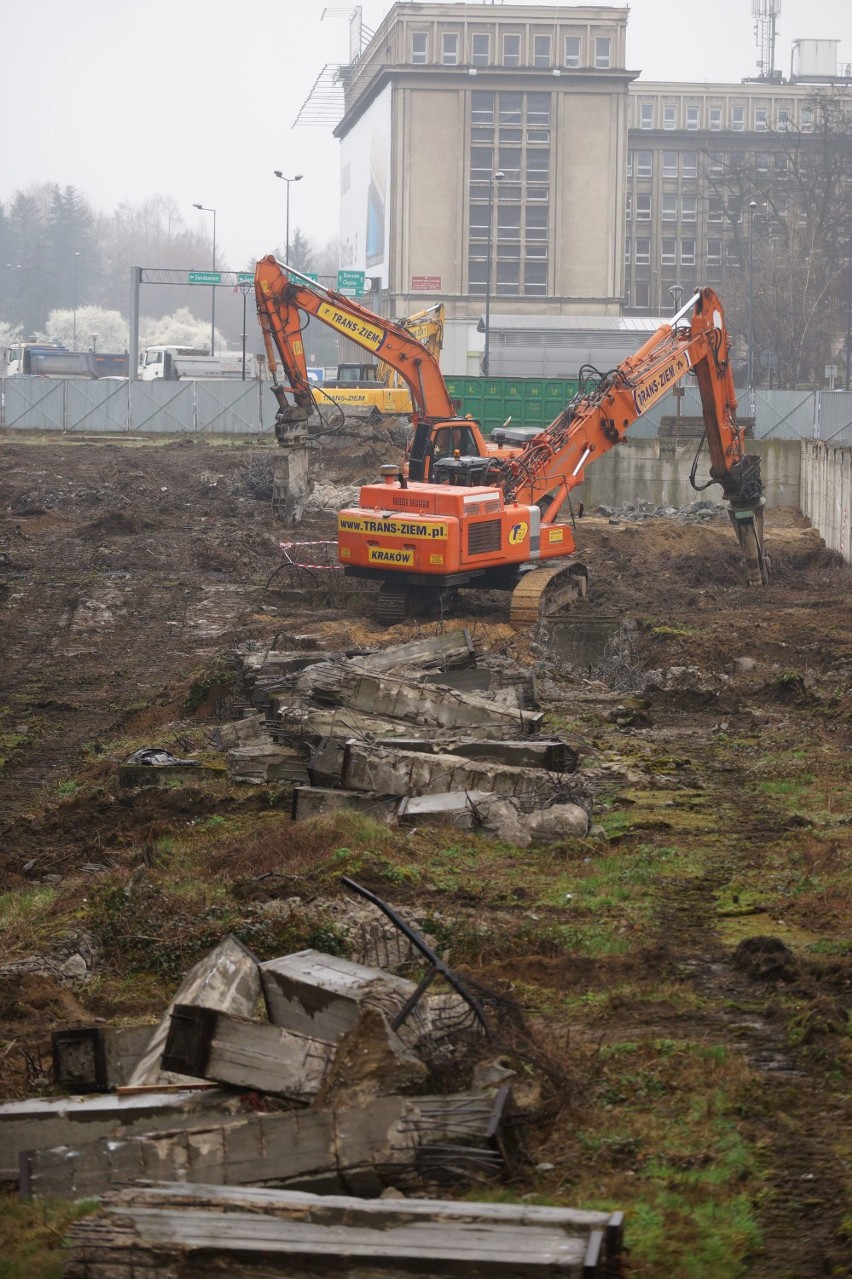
x=764, y=13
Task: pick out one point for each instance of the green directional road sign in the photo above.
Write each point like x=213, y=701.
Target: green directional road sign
x=205, y=277
x=245, y=277
x=351, y=283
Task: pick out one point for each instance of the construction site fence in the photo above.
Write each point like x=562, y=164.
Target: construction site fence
x=227, y=406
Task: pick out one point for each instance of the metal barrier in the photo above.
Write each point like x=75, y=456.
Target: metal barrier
x=229, y=406
x=216, y=407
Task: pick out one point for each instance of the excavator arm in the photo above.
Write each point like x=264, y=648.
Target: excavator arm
x=285, y=296
x=554, y=462
x=487, y=522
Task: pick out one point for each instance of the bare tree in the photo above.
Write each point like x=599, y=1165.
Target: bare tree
x=789, y=217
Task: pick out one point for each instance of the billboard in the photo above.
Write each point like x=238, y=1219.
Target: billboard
x=365, y=160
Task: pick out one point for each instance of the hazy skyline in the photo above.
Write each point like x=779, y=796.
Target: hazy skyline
x=197, y=101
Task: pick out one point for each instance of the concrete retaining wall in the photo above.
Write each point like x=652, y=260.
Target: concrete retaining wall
x=826, y=493
x=658, y=471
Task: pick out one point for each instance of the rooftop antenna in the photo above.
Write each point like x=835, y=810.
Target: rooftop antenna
x=764, y=13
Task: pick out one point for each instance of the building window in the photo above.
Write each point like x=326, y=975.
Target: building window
x=628, y=209
x=670, y=208
x=646, y=115
x=481, y=107
x=738, y=119
x=627, y=252
x=670, y=164
x=643, y=251
x=716, y=165
x=641, y=295
x=419, y=46
x=449, y=49
x=508, y=278
x=668, y=255
x=693, y=117
x=535, y=277
x=714, y=252
x=536, y=223
x=782, y=167
x=480, y=49
x=688, y=208
x=760, y=119
x=643, y=207
x=715, y=119
x=715, y=209
x=689, y=164
x=783, y=119
x=669, y=117
x=761, y=162
x=541, y=51
x=806, y=119
x=643, y=164
x=603, y=45
x=511, y=50
x=630, y=164
x=573, y=51
x=687, y=253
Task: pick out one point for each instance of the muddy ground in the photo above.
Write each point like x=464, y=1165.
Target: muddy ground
x=683, y=974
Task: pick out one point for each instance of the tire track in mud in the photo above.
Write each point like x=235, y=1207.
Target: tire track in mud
x=793, y=1125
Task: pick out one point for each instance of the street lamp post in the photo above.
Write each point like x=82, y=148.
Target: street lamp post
x=297, y=178
x=751, y=210
x=74, y=321
x=205, y=209
x=495, y=177
x=245, y=289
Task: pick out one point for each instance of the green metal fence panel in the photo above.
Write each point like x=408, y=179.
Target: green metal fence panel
x=528, y=401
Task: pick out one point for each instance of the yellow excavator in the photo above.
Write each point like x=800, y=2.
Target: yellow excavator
x=378, y=390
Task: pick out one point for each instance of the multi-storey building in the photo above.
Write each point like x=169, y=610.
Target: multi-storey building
x=507, y=151
x=486, y=145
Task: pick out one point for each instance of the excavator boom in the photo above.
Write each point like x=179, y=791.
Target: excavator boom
x=484, y=523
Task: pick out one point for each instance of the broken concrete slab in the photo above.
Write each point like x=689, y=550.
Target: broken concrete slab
x=50, y=1121
x=323, y=995
x=408, y=1142
x=227, y=979
x=552, y=754
x=247, y=731
x=459, y=808
x=374, y=767
x=419, y=1237
x=209, y=1044
x=266, y=763
x=371, y=1060
x=97, y=1058
x=559, y=821
x=394, y=697
x=451, y=650
x=316, y=801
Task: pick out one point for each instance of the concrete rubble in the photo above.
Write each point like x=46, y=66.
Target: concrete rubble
x=330, y=1089
x=203, y=1229
x=427, y=730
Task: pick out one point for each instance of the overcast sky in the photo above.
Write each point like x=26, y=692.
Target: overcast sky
x=196, y=99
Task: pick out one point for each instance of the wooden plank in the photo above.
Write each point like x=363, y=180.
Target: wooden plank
x=232, y=1050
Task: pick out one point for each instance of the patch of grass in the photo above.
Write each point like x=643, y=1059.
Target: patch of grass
x=32, y=1236
x=25, y=920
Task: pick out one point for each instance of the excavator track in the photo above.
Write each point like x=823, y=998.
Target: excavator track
x=543, y=592
x=391, y=604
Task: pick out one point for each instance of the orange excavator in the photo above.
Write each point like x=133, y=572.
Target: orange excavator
x=495, y=523
x=465, y=512
x=286, y=298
